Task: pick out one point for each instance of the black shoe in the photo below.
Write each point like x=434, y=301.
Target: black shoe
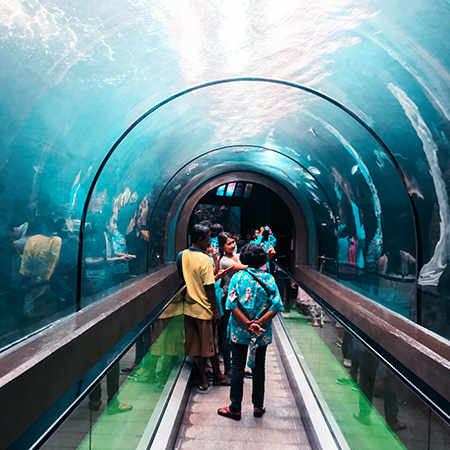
x=248, y=374
x=94, y=405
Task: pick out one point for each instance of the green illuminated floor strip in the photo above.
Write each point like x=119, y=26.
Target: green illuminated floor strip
x=342, y=400
x=124, y=431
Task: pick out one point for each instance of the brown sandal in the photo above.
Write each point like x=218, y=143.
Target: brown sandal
x=225, y=411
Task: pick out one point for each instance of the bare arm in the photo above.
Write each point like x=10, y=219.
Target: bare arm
x=271, y=252
x=238, y=266
x=94, y=260
x=216, y=259
x=221, y=273
x=267, y=317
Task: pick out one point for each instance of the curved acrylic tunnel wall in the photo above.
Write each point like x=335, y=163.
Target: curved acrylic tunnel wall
x=77, y=77
x=286, y=133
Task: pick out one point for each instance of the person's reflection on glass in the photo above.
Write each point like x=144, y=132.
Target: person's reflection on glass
x=115, y=406
x=397, y=275
x=368, y=366
x=94, y=252
x=395, y=261
x=372, y=262
x=12, y=280
x=39, y=260
x=105, y=256
x=346, y=254
x=117, y=256
x=168, y=347
x=63, y=282
x=137, y=237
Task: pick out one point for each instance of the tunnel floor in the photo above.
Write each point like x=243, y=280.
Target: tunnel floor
x=280, y=427
x=201, y=426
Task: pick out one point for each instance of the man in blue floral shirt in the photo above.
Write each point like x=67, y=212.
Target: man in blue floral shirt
x=254, y=300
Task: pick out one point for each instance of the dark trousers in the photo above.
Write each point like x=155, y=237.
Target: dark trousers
x=112, y=385
x=224, y=342
x=142, y=346
x=347, y=345
x=238, y=362
x=284, y=283
x=368, y=367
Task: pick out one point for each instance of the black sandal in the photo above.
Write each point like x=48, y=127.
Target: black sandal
x=259, y=412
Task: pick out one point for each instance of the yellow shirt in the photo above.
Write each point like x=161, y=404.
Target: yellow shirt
x=197, y=272
x=40, y=256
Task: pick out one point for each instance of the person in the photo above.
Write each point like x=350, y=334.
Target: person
x=201, y=315
x=397, y=275
x=105, y=255
x=309, y=307
x=39, y=260
x=265, y=238
x=230, y=262
x=285, y=286
x=99, y=254
x=368, y=366
x=167, y=349
x=254, y=300
x=216, y=229
x=112, y=387
x=117, y=255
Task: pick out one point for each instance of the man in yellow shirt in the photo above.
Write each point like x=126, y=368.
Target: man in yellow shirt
x=201, y=315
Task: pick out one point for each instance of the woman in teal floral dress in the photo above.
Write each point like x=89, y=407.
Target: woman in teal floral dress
x=254, y=300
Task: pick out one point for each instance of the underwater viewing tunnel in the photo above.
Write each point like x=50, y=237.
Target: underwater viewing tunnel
x=124, y=123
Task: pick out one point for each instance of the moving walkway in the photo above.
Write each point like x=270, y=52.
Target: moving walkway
x=160, y=387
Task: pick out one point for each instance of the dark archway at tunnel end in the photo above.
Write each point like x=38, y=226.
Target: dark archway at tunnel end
x=185, y=204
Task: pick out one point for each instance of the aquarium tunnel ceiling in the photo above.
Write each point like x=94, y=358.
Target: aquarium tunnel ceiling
x=332, y=99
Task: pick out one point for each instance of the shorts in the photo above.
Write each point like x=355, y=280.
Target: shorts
x=200, y=337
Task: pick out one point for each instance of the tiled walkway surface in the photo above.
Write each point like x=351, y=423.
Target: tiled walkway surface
x=281, y=427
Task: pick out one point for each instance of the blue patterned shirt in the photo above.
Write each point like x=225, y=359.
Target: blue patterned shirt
x=254, y=300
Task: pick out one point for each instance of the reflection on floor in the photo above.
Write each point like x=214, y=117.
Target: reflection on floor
x=324, y=360
x=145, y=389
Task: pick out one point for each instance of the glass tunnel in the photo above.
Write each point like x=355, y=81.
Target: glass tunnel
x=124, y=123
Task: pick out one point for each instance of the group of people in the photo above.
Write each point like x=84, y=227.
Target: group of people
x=230, y=296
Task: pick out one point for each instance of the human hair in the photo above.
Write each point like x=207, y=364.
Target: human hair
x=216, y=229
x=253, y=255
x=222, y=240
x=205, y=223
x=199, y=232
